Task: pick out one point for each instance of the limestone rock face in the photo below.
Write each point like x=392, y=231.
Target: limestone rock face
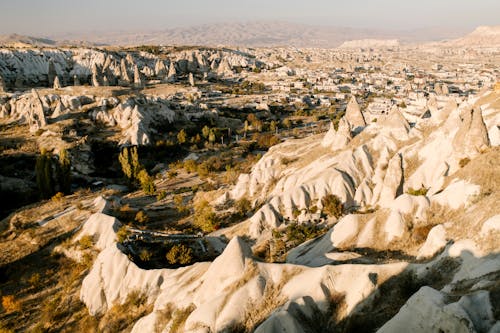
x=354, y=116
x=472, y=136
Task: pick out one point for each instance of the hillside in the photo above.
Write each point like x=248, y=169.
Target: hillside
x=486, y=36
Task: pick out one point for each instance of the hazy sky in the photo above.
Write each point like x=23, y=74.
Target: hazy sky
x=47, y=17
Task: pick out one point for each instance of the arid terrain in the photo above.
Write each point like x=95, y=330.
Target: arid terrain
x=250, y=189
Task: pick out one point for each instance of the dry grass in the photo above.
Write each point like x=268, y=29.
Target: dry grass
x=271, y=299
x=179, y=318
x=163, y=317
x=121, y=317
x=410, y=165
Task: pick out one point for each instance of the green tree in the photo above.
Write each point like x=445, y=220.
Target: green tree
x=179, y=204
x=129, y=160
x=180, y=254
x=243, y=206
x=205, y=131
x=141, y=217
x=147, y=182
x=287, y=123
x=43, y=171
x=273, y=126
x=145, y=255
x=182, y=136
x=204, y=216
x=332, y=205
x=122, y=234
x=211, y=137
x=64, y=172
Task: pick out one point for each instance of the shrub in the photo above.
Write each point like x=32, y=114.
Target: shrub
x=332, y=205
x=147, y=182
x=420, y=191
x=86, y=242
x=161, y=196
x=57, y=197
x=141, y=217
x=145, y=255
x=265, y=141
x=182, y=136
x=463, y=162
x=243, y=206
x=171, y=174
x=179, y=318
x=179, y=204
x=190, y=166
x=10, y=304
x=204, y=216
x=180, y=254
x=122, y=234
x=34, y=280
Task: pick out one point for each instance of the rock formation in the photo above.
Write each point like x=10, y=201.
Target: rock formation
x=137, y=77
x=338, y=139
x=36, y=115
x=472, y=136
x=172, y=73
x=57, y=84
x=51, y=73
x=191, y=79
x=354, y=116
x=2, y=84
x=96, y=76
x=124, y=72
x=160, y=69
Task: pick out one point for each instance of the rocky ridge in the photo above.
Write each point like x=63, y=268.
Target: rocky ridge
x=381, y=166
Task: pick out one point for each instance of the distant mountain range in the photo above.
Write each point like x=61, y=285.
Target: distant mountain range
x=264, y=33
x=481, y=36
